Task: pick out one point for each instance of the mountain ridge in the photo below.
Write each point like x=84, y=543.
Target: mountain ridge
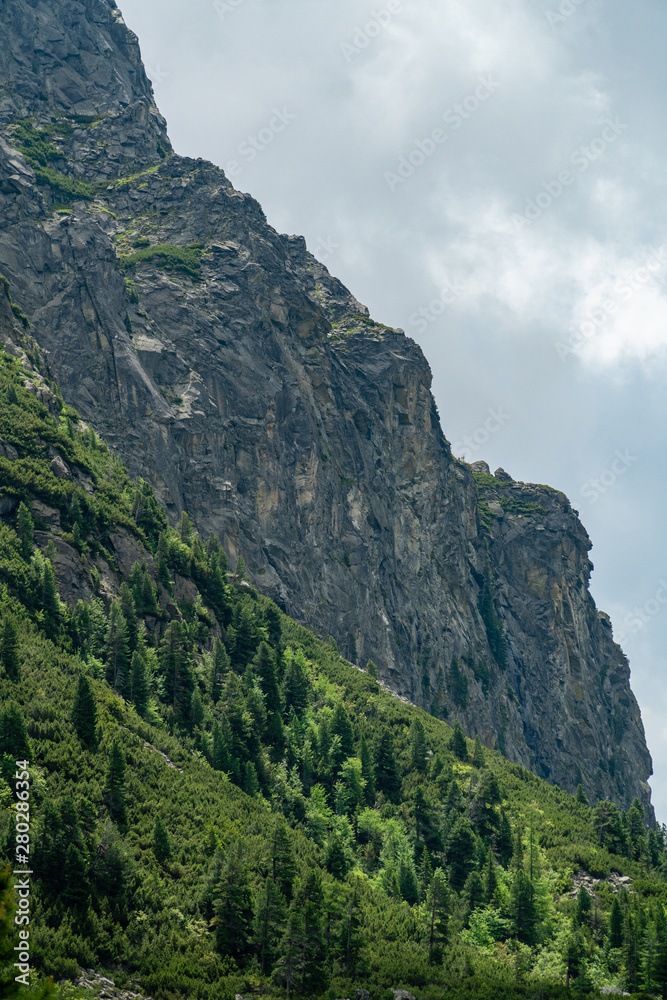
x=251, y=388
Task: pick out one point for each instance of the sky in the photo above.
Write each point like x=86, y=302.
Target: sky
x=488, y=175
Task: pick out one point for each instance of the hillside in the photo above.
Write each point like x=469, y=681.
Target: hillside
x=226, y=367
x=222, y=805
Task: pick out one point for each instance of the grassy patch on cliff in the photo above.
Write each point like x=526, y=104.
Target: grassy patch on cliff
x=183, y=260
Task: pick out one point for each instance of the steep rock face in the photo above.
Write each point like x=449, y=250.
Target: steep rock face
x=228, y=367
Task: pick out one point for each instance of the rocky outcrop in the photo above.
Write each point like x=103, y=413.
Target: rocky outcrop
x=226, y=366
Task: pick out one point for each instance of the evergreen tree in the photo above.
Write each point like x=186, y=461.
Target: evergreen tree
x=9, y=649
x=50, y=602
x=336, y=858
x=295, y=685
x=584, y=906
x=490, y=878
x=458, y=744
x=76, y=893
x=219, y=749
x=114, y=791
x=13, y=735
x=117, y=649
x=523, y=911
x=219, y=668
x=387, y=779
x=25, y=527
x=314, y=976
x=342, y=727
x=407, y=881
x=292, y=950
x=580, y=795
x=175, y=664
x=139, y=681
x=474, y=891
x=616, y=925
x=367, y=771
x=425, y=873
x=196, y=712
x=503, y=840
x=460, y=853
x=269, y=924
x=250, y=780
x=233, y=907
x=485, y=814
x=417, y=747
x=243, y=636
x=437, y=902
x=128, y=608
x=84, y=713
x=184, y=528
x=478, y=756
x=280, y=859
x=161, y=841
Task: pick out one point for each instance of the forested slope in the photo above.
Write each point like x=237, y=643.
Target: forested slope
x=223, y=805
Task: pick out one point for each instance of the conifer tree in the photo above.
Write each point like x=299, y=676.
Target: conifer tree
x=76, y=880
x=387, y=779
x=524, y=915
x=280, y=859
x=13, y=734
x=117, y=649
x=490, y=878
x=425, y=873
x=128, y=607
x=9, y=649
x=114, y=792
x=250, y=780
x=584, y=906
x=460, y=852
x=503, y=840
x=269, y=924
x=616, y=925
x=367, y=771
x=161, y=841
x=295, y=685
x=84, y=713
x=580, y=795
x=175, y=665
x=407, y=881
x=342, y=727
x=219, y=668
x=26, y=529
x=417, y=747
x=233, y=907
x=196, y=712
x=139, y=679
x=437, y=902
x=478, y=756
x=50, y=602
x=458, y=744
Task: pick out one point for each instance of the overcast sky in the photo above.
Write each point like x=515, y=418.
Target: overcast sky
x=490, y=176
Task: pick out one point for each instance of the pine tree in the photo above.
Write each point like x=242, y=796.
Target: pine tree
x=280, y=859
x=117, y=649
x=490, y=878
x=474, y=891
x=580, y=795
x=9, y=649
x=460, y=852
x=367, y=771
x=13, y=734
x=616, y=925
x=84, y=713
x=407, y=881
x=139, y=679
x=425, y=873
x=175, y=665
x=219, y=668
x=128, y=607
x=437, y=902
x=293, y=949
x=26, y=529
x=503, y=840
x=478, y=756
x=584, y=906
x=196, y=712
x=233, y=907
x=458, y=744
x=50, y=602
x=114, y=791
x=250, y=780
x=342, y=727
x=269, y=924
x=417, y=747
x=295, y=685
x=76, y=893
x=184, y=527
x=523, y=911
x=387, y=779
x=161, y=841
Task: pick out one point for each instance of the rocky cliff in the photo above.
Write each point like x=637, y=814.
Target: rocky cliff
x=229, y=368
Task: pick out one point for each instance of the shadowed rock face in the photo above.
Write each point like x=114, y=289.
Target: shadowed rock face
x=252, y=389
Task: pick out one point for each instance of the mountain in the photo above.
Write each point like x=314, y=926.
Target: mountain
x=218, y=805
x=249, y=387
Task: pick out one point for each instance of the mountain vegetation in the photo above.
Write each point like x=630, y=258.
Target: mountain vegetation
x=223, y=805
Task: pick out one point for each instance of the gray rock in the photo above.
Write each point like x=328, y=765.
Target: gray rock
x=481, y=467
x=502, y=475
x=261, y=398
